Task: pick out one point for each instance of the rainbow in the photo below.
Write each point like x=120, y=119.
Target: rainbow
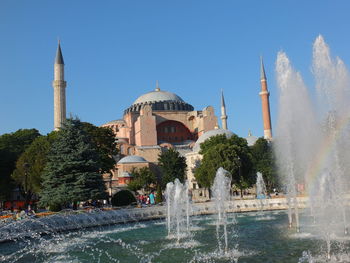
x=325, y=149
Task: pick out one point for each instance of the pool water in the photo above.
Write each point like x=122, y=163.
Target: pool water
x=253, y=237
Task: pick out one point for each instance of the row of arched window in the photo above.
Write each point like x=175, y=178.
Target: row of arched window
x=162, y=105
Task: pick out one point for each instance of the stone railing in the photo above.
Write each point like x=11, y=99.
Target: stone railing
x=249, y=205
x=32, y=227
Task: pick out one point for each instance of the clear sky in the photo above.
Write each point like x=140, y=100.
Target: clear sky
x=115, y=51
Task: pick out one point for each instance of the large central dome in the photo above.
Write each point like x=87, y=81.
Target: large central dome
x=157, y=95
x=160, y=100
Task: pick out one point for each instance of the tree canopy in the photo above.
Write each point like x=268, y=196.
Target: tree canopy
x=264, y=162
x=172, y=166
x=12, y=145
x=233, y=154
x=72, y=172
x=31, y=163
x=143, y=178
x=104, y=141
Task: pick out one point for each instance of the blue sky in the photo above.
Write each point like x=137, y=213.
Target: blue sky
x=115, y=51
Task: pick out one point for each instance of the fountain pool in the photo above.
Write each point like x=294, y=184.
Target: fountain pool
x=258, y=240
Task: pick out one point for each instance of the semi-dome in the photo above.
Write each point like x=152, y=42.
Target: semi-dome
x=207, y=135
x=160, y=100
x=132, y=159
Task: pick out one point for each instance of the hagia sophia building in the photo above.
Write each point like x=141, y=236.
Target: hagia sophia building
x=156, y=121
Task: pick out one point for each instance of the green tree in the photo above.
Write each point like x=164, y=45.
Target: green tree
x=233, y=154
x=30, y=165
x=72, y=172
x=104, y=140
x=264, y=162
x=220, y=155
x=213, y=141
x=159, y=197
x=172, y=166
x=143, y=178
x=12, y=145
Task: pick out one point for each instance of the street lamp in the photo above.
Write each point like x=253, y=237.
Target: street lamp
x=110, y=188
x=26, y=167
x=239, y=174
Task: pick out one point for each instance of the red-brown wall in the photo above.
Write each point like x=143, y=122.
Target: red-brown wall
x=173, y=131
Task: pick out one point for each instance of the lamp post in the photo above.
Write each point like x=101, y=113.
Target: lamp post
x=239, y=174
x=26, y=167
x=110, y=188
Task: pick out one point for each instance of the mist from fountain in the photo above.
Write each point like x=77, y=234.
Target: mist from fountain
x=312, y=142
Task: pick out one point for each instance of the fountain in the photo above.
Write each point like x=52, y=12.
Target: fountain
x=311, y=142
x=260, y=190
x=221, y=195
x=178, y=209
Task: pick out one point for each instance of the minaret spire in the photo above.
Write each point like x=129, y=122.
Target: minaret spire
x=59, y=57
x=264, y=94
x=223, y=112
x=157, y=86
x=59, y=86
x=262, y=69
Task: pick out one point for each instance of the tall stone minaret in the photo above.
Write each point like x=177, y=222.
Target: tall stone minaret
x=223, y=112
x=59, y=90
x=264, y=94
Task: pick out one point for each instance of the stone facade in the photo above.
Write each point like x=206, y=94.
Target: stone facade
x=157, y=121
x=150, y=124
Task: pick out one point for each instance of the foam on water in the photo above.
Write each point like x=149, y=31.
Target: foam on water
x=265, y=218
x=188, y=244
x=232, y=255
x=302, y=235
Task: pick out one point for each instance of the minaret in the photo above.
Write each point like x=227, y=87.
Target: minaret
x=59, y=90
x=264, y=94
x=223, y=112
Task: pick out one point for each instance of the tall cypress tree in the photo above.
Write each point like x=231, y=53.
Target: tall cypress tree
x=72, y=170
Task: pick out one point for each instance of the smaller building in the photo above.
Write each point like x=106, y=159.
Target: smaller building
x=125, y=167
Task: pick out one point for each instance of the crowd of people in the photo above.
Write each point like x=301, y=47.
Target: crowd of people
x=146, y=199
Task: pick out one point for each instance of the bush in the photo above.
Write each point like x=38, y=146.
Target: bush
x=55, y=207
x=123, y=198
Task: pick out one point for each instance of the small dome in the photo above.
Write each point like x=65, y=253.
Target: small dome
x=157, y=95
x=208, y=134
x=132, y=159
x=251, y=140
x=125, y=174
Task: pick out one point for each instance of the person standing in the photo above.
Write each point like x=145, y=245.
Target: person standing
x=152, y=198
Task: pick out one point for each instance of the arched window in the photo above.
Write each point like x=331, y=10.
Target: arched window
x=122, y=149
x=172, y=131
